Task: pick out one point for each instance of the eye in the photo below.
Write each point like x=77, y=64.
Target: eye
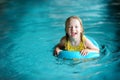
x=76, y=26
x=69, y=26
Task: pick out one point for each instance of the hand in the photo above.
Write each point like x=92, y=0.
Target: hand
x=56, y=51
x=84, y=52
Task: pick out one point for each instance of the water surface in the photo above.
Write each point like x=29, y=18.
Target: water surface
x=30, y=29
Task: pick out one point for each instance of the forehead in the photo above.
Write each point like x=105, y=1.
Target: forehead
x=74, y=21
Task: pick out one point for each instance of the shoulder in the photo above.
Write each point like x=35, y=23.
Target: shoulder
x=88, y=42
x=84, y=38
x=62, y=42
x=63, y=39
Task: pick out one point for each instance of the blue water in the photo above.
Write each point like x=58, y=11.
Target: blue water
x=30, y=29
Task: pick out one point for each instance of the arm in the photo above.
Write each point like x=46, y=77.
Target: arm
x=90, y=47
x=60, y=46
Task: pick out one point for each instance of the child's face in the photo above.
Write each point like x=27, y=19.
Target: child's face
x=74, y=28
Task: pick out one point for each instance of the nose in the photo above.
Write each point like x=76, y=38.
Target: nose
x=73, y=28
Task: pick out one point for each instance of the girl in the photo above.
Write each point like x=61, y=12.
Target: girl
x=74, y=40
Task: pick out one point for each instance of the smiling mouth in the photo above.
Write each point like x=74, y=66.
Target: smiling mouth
x=73, y=33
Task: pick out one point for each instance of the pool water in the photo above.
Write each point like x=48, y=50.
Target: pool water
x=30, y=29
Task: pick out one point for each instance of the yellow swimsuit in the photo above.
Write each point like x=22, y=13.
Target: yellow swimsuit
x=80, y=47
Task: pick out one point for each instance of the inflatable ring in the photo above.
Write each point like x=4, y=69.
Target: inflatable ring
x=77, y=55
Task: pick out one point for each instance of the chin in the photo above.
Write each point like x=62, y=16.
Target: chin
x=74, y=37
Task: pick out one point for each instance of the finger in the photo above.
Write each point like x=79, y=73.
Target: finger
x=83, y=52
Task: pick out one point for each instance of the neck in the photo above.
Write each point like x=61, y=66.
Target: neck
x=75, y=41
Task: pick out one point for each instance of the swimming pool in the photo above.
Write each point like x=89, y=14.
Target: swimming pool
x=30, y=29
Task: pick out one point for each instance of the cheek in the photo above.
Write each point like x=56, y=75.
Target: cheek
x=80, y=30
x=68, y=30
